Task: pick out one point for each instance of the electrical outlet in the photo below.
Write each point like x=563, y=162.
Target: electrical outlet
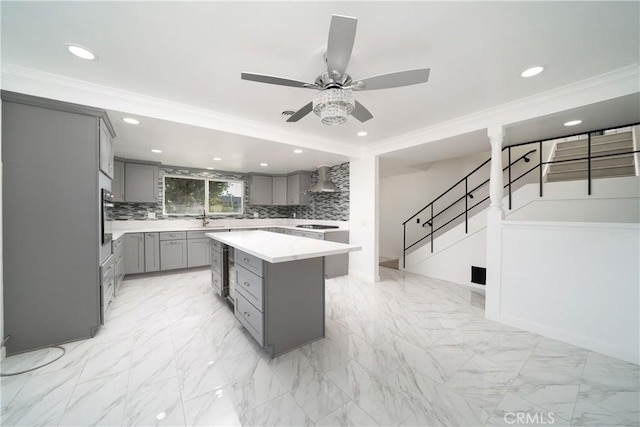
x=151, y=215
x=256, y=215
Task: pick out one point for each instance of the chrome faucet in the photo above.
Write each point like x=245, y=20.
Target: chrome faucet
x=204, y=218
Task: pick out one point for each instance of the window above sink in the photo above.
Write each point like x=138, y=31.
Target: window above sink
x=193, y=196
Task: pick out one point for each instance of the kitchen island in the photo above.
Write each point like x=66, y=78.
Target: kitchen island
x=280, y=289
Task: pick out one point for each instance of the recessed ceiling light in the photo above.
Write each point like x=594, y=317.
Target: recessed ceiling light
x=210, y=168
x=533, y=71
x=155, y=150
x=131, y=121
x=161, y=415
x=217, y=159
x=573, y=122
x=264, y=164
x=297, y=151
x=363, y=133
x=81, y=52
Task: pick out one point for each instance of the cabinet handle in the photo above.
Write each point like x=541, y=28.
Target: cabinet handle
x=247, y=314
x=246, y=260
x=141, y=237
x=246, y=283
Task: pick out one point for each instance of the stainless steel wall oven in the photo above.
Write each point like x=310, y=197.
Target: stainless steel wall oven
x=106, y=216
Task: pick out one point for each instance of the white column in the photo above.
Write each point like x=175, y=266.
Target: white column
x=495, y=215
x=363, y=217
x=496, y=137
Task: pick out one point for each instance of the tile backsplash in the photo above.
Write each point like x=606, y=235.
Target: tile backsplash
x=322, y=206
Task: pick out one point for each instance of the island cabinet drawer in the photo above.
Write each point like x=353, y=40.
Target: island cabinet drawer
x=250, y=318
x=250, y=286
x=216, y=261
x=216, y=281
x=173, y=235
x=250, y=262
x=216, y=246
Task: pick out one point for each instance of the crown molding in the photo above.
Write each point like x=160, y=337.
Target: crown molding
x=616, y=83
x=38, y=83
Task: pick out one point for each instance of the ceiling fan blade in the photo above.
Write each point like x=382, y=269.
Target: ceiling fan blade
x=397, y=79
x=342, y=34
x=301, y=113
x=361, y=113
x=263, y=78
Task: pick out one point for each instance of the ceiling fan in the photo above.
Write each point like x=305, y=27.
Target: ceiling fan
x=335, y=101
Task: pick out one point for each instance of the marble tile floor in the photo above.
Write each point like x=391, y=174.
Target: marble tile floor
x=408, y=351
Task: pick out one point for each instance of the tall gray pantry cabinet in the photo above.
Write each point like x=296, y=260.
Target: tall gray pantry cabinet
x=51, y=220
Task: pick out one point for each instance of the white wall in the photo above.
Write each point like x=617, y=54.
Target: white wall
x=363, y=217
x=403, y=195
x=575, y=282
x=612, y=200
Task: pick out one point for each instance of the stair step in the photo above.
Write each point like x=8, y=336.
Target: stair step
x=622, y=146
x=574, y=153
x=600, y=139
x=612, y=137
x=622, y=161
x=579, y=174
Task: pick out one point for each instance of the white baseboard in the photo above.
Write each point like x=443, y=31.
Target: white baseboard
x=590, y=343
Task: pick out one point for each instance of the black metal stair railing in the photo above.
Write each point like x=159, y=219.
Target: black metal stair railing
x=469, y=193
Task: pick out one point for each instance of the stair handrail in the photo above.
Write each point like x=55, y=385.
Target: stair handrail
x=524, y=156
x=468, y=194
x=510, y=181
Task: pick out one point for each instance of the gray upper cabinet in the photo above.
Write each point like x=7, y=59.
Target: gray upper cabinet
x=297, y=184
x=151, y=252
x=260, y=189
x=117, y=185
x=141, y=182
x=279, y=193
x=106, y=150
x=134, y=253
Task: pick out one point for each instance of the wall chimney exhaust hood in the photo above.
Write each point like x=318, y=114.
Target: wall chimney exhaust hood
x=324, y=184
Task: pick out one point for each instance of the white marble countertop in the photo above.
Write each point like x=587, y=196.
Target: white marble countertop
x=274, y=247
x=155, y=227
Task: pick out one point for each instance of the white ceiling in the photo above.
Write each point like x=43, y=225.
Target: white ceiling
x=193, y=53
x=184, y=145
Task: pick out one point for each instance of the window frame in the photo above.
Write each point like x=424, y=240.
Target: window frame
x=206, y=195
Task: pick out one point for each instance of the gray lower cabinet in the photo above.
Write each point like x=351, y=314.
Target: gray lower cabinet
x=118, y=255
x=133, y=253
x=151, y=252
x=197, y=252
x=173, y=250
x=281, y=304
x=107, y=287
x=141, y=182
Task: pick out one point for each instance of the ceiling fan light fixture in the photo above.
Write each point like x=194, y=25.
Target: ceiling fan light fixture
x=333, y=105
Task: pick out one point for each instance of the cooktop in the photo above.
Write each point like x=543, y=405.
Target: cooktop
x=317, y=226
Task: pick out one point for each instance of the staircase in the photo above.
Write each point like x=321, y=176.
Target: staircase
x=604, y=167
